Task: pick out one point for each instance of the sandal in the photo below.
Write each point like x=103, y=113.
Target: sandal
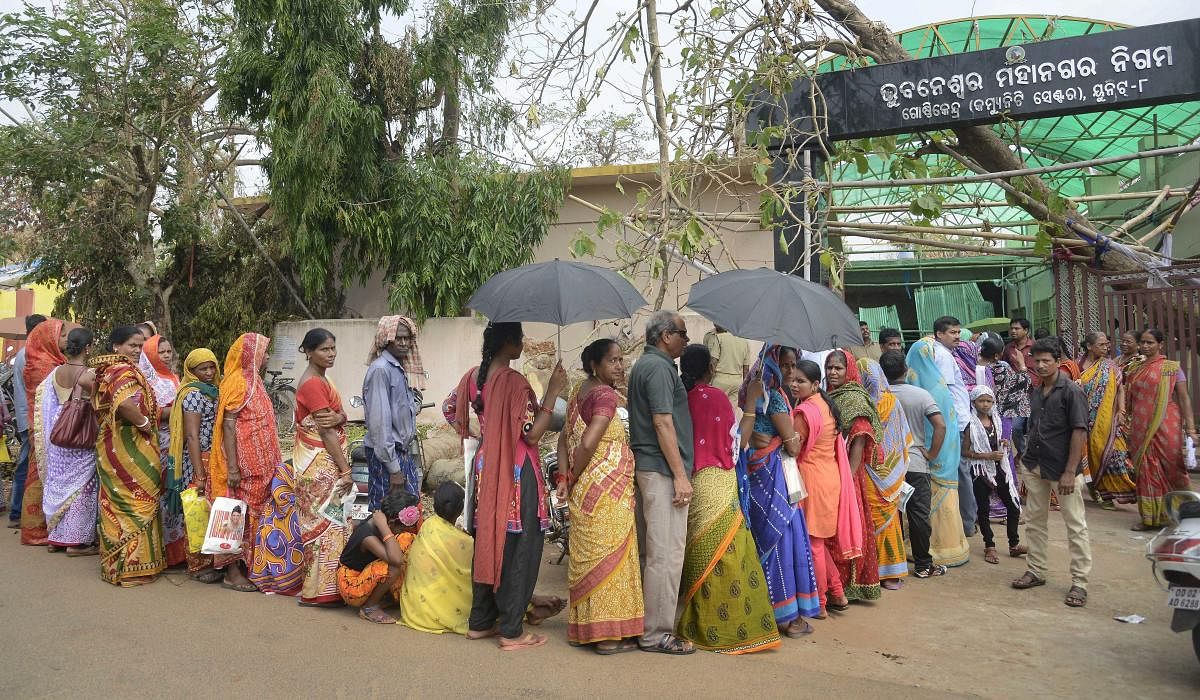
x=1076, y=597
x=617, y=648
x=88, y=551
x=797, y=628
x=990, y=555
x=1018, y=551
x=376, y=615
x=528, y=640
x=838, y=607
x=670, y=644
x=240, y=587
x=892, y=584
x=1028, y=580
x=935, y=570
x=208, y=576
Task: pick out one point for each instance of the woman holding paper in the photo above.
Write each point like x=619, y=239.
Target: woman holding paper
x=779, y=527
x=322, y=470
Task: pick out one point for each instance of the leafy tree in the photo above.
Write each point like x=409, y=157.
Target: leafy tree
x=378, y=148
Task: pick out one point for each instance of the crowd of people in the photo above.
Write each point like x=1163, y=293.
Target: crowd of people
x=717, y=500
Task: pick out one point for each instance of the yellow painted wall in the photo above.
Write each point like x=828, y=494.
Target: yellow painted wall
x=44, y=297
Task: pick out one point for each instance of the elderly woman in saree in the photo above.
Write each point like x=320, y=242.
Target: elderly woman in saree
x=509, y=497
x=858, y=422
x=322, y=468
x=886, y=473
x=1162, y=413
x=193, y=419
x=43, y=353
x=128, y=462
x=779, y=526
x=1103, y=383
x=948, y=542
x=246, y=464
x=604, y=582
x=70, y=490
x=725, y=605
x=155, y=363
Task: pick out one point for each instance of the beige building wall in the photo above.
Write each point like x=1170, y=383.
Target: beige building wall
x=451, y=346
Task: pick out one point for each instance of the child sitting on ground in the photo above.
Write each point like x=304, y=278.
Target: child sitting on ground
x=373, y=561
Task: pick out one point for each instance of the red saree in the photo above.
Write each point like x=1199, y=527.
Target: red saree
x=42, y=356
x=1156, y=436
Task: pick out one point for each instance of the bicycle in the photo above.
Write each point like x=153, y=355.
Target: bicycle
x=283, y=402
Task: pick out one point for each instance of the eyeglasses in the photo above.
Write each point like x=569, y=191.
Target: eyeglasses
x=680, y=332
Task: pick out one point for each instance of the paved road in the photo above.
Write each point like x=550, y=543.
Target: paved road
x=71, y=635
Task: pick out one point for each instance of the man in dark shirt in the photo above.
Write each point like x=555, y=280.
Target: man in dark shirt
x=1055, y=442
x=660, y=433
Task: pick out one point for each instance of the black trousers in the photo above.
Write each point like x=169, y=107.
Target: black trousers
x=917, y=511
x=507, y=604
x=983, y=493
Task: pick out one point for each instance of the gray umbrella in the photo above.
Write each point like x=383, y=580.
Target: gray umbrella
x=776, y=308
x=559, y=292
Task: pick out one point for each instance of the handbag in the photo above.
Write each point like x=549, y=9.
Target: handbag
x=76, y=425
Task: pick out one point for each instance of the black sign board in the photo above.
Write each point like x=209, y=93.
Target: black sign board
x=1156, y=64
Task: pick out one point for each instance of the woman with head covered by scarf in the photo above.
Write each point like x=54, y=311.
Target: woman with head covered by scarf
x=193, y=420
x=390, y=409
x=155, y=362
x=43, y=354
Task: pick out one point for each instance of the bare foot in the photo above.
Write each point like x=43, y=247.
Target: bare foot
x=482, y=634
x=528, y=640
x=544, y=608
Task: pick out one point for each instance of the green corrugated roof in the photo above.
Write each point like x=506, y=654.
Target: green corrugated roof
x=1047, y=141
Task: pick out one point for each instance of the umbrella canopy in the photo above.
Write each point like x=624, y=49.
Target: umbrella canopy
x=777, y=308
x=558, y=292
x=996, y=325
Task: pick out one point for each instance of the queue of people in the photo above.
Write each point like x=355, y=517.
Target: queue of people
x=704, y=515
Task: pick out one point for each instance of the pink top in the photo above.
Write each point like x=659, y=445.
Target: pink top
x=713, y=427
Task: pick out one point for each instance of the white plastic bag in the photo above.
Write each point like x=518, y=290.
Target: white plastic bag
x=338, y=510
x=226, y=525
x=906, y=492
x=1189, y=453
x=470, y=449
x=793, y=480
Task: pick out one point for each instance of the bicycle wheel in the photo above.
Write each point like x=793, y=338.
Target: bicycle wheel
x=283, y=402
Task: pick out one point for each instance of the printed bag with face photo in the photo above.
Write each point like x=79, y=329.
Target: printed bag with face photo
x=226, y=524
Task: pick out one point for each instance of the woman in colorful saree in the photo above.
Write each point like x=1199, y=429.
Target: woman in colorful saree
x=510, y=505
x=858, y=422
x=322, y=469
x=886, y=474
x=155, y=362
x=1107, y=456
x=1162, y=413
x=779, y=526
x=128, y=462
x=193, y=419
x=43, y=353
x=725, y=605
x=69, y=496
x=948, y=543
x=246, y=464
x=604, y=580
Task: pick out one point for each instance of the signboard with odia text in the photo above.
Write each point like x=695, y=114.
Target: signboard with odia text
x=1141, y=66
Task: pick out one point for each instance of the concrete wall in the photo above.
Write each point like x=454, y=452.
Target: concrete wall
x=449, y=347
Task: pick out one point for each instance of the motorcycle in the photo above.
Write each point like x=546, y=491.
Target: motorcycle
x=360, y=472
x=1174, y=554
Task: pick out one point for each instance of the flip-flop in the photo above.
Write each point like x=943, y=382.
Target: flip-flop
x=535, y=640
x=804, y=631
x=366, y=612
x=209, y=577
x=892, y=585
x=239, y=587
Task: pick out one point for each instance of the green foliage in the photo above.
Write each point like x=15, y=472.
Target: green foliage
x=373, y=144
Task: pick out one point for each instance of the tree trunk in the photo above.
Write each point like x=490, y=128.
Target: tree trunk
x=664, y=145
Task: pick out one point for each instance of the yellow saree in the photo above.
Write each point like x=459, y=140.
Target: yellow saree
x=436, y=596
x=603, y=575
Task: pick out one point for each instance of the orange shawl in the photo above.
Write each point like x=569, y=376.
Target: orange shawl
x=42, y=355
x=240, y=385
x=507, y=395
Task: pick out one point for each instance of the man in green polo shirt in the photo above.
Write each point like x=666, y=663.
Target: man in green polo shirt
x=660, y=433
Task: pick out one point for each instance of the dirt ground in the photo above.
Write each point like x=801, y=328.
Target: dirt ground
x=968, y=634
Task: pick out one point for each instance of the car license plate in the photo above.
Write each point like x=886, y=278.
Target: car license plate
x=1184, y=598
